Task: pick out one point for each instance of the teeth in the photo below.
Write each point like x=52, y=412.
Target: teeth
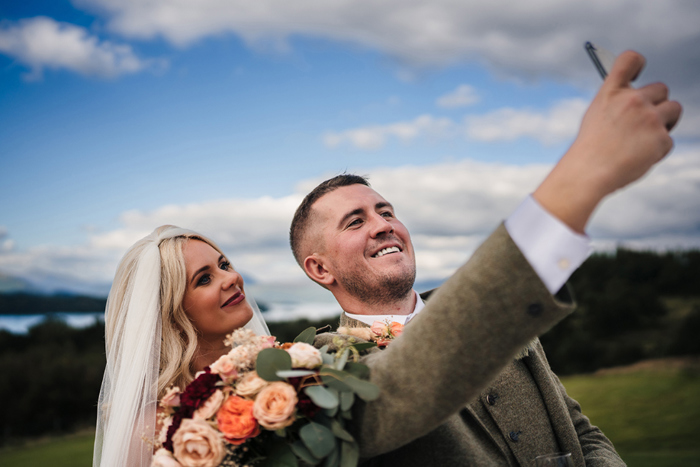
x=393, y=249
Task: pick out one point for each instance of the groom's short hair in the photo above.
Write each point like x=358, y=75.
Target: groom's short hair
x=302, y=217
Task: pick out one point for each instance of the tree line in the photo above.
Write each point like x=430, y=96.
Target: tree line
x=51, y=376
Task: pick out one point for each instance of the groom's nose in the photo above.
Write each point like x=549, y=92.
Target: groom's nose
x=380, y=225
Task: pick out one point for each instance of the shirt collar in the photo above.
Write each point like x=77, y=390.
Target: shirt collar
x=403, y=319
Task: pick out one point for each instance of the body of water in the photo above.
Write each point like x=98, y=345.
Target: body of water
x=20, y=324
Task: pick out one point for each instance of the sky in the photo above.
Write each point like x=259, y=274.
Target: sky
x=117, y=116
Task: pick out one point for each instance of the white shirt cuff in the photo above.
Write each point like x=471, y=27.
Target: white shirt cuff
x=553, y=250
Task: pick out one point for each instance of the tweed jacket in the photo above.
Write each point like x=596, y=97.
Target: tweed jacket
x=452, y=391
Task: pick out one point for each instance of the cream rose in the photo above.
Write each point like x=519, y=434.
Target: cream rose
x=305, y=356
x=380, y=329
x=274, y=406
x=250, y=384
x=197, y=444
x=164, y=458
x=210, y=406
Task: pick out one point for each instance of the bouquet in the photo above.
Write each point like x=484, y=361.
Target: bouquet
x=267, y=404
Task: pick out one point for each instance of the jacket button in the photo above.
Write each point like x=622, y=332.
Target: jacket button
x=534, y=309
x=491, y=399
x=514, y=435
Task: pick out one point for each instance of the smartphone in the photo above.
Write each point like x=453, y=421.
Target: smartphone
x=602, y=59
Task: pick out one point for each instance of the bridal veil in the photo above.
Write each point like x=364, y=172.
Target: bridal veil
x=126, y=411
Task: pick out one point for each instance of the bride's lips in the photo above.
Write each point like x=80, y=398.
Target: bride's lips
x=235, y=299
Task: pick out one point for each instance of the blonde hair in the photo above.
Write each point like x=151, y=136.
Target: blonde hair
x=178, y=335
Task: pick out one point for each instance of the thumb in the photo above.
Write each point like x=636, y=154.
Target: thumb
x=625, y=69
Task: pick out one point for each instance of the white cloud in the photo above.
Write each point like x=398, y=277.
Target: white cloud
x=463, y=96
x=374, y=137
x=558, y=123
x=532, y=40
x=43, y=43
x=448, y=207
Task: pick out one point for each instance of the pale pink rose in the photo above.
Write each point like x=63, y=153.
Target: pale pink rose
x=225, y=367
x=171, y=398
x=163, y=435
x=250, y=384
x=197, y=444
x=396, y=329
x=380, y=328
x=305, y=356
x=267, y=342
x=274, y=406
x=164, y=458
x=210, y=406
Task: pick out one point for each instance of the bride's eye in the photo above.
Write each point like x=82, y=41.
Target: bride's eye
x=225, y=265
x=204, y=279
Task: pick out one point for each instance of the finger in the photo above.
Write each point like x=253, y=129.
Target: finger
x=625, y=69
x=656, y=93
x=670, y=113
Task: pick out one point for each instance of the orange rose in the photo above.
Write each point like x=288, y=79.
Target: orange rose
x=236, y=421
x=396, y=328
x=274, y=406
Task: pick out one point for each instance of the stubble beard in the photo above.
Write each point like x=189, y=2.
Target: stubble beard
x=386, y=289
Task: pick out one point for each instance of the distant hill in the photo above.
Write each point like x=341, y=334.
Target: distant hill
x=10, y=284
x=24, y=303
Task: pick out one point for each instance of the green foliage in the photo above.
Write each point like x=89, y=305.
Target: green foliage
x=622, y=315
x=27, y=303
x=51, y=379
x=289, y=330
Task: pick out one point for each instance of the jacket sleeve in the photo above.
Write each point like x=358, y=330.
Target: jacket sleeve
x=598, y=450
x=472, y=326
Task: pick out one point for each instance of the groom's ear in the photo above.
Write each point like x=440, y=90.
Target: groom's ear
x=314, y=267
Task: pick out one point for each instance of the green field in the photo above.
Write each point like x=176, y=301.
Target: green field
x=652, y=415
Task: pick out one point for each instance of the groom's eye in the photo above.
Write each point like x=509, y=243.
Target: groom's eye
x=355, y=222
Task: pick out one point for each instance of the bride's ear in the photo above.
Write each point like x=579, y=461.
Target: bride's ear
x=316, y=270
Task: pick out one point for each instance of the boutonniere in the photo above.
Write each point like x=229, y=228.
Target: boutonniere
x=385, y=331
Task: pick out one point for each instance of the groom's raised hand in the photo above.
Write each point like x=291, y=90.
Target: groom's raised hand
x=624, y=132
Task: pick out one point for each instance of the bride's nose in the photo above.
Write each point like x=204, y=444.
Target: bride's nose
x=232, y=278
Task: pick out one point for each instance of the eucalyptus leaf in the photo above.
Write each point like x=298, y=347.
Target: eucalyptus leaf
x=303, y=453
x=347, y=398
x=319, y=439
x=349, y=454
x=340, y=432
x=280, y=455
x=270, y=361
x=364, y=389
x=335, y=383
x=359, y=370
x=307, y=336
x=333, y=459
x=346, y=414
x=342, y=360
x=322, y=397
x=331, y=412
x=295, y=373
x=360, y=346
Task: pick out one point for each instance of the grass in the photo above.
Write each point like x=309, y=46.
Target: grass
x=66, y=451
x=652, y=416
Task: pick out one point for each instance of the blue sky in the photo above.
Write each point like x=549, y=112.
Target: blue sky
x=119, y=116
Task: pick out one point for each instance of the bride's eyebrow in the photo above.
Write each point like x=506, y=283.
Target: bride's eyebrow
x=204, y=268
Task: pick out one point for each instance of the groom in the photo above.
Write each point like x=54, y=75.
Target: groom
x=468, y=383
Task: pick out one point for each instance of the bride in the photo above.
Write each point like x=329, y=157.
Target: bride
x=174, y=298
